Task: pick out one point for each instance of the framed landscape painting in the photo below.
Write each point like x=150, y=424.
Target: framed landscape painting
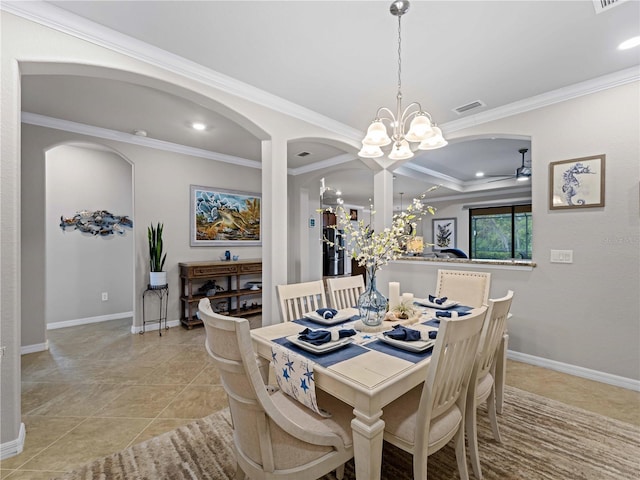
x=444, y=233
x=577, y=183
x=224, y=217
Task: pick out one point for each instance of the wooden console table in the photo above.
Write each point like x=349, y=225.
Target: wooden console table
x=235, y=300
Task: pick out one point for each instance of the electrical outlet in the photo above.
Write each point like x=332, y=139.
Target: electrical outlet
x=105, y=296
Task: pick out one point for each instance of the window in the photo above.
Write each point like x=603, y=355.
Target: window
x=500, y=232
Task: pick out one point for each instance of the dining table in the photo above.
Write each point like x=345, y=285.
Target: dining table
x=367, y=374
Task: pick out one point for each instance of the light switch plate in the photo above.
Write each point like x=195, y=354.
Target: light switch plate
x=561, y=256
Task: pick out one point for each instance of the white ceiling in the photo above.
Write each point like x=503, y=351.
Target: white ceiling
x=339, y=59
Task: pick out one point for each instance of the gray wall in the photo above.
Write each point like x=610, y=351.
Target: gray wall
x=161, y=193
x=80, y=266
x=585, y=314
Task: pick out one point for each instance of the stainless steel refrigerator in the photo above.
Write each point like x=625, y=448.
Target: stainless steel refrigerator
x=333, y=255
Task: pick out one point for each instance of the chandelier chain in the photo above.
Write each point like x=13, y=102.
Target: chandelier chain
x=399, y=54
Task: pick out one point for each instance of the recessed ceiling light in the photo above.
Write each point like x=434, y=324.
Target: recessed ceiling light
x=479, y=174
x=627, y=44
x=198, y=126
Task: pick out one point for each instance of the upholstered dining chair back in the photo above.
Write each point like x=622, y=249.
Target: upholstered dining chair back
x=482, y=383
x=274, y=436
x=425, y=419
x=345, y=291
x=468, y=288
x=296, y=299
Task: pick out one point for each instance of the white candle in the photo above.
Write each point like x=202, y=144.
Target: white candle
x=407, y=298
x=394, y=294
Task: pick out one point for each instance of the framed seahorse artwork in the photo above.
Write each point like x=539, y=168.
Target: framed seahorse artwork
x=224, y=217
x=577, y=183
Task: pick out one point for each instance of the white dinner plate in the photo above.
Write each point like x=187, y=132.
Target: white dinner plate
x=426, y=303
x=324, y=348
x=341, y=316
x=415, y=346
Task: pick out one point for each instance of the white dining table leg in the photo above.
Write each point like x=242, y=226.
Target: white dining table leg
x=501, y=371
x=368, y=432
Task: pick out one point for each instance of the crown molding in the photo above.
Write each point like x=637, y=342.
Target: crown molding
x=50, y=16
x=587, y=87
x=53, y=17
x=98, y=132
x=329, y=162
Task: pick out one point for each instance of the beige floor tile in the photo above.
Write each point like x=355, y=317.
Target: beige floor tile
x=35, y=395
x=79, y=400
x=91, y=439
x=140, y=401
x=32, y=475
x=208, y=376
x=160, y=426
x=41, y=432
x=614, y=402
x=196, y=401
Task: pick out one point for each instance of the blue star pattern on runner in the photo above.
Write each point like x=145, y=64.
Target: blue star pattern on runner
x=294, y=374
x=303, y=385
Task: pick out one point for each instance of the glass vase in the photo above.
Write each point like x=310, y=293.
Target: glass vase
x=372, y=305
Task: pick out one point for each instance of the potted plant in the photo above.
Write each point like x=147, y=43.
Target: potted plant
x=157, y=277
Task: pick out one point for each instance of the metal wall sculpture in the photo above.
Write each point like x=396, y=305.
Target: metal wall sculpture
x=100, y=222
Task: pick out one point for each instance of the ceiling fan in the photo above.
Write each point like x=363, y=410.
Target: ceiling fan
x=522, y=172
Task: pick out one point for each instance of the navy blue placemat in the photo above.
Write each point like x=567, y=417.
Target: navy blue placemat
x=325, y=359
x=311, y=324
x=413, y=357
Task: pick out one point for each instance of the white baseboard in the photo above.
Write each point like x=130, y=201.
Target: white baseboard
x=38, y=347
x=13, y=447
x=153, y=327
x=85, y=321
x=608, y=378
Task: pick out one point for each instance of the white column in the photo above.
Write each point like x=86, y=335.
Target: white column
x=382, y=199
x=274, y=226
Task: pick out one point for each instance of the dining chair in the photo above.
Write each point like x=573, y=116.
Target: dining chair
x=482, y=384
x=274, y=435
x=427, y=417
x=468, y=288
x=345, y=291
x=296, y=299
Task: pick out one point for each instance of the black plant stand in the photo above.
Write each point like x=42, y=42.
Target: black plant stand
x=162, y=293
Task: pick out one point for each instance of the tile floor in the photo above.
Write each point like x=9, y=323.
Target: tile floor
x=100, y=389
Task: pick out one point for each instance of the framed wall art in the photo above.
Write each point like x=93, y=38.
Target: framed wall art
x=444, y=233
x=577, y=183
x=224, y=217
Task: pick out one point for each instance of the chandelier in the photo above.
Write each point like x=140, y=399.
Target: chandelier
x=421, y=126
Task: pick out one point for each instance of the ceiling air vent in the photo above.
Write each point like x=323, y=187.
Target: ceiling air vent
x=303, y=154
x=469, y=106
x=603, y=5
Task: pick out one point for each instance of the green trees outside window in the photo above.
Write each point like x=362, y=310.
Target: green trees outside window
x=501, y=232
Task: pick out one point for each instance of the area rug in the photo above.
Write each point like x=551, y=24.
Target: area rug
x=542, y=440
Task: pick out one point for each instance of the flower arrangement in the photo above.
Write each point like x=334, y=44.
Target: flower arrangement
x=373, y=250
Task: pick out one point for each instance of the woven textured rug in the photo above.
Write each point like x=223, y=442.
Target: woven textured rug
x=542, y=440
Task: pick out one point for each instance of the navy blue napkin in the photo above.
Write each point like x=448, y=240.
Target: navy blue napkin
x=441, y=313
x=439, y=301
x=327, y=312
x=319, y=337
x=403, y=333
x=407, y=334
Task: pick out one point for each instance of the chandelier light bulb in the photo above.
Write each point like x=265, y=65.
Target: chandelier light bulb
x=420, y=129
x=377, y=135
x=433, y=142
x=401, y=151
x=370, y=151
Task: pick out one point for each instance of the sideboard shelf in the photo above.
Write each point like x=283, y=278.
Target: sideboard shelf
x=234, y=300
